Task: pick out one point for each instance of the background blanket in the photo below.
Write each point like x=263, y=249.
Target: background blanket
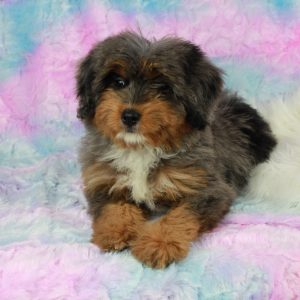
x=44, y=228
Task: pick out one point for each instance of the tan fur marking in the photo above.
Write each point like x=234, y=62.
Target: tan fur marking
x=161, y=124
x=108, y=114
x=119, y=67
x=174, y=183
x=150, y=69
x=167, y=240
x=117, y=226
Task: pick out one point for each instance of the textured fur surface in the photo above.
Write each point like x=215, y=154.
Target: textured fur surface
x=137, y=91
x=277, y=180
x=45, y=249
x=135, y=166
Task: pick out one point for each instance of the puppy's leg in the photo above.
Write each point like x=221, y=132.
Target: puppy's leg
x=116, y=225
x=168, y=240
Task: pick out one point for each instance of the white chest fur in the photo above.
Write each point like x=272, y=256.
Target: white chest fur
x=134, y=166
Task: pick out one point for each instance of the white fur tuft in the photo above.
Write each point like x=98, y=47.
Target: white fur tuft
x=134, y=166
x=277, y=181
x=131, y=138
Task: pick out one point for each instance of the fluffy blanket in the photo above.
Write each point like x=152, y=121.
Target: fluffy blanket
x=44, y=228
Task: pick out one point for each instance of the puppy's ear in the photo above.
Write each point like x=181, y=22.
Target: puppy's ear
x=85, y=77
x=205, y=82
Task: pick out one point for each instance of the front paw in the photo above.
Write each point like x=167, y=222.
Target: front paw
x=116, y=226
x=112, y=239
x=157, y=246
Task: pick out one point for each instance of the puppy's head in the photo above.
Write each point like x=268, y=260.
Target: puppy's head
x=138, y=92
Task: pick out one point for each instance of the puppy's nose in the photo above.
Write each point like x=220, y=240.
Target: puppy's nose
x=130, y=117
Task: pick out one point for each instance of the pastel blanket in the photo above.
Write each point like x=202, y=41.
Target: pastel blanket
x=44, y=228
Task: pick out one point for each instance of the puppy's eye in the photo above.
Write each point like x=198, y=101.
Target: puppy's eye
x=119, y=82
x=164, y=87
x=160, y=83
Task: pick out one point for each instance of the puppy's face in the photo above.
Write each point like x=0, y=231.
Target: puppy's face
x=136, y=92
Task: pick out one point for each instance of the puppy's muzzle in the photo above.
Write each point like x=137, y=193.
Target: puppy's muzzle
x=130, y=117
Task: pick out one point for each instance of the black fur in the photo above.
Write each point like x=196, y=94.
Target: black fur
x=85, y=78
x=255, y=130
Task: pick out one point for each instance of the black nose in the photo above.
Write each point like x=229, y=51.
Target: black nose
x=130, y=117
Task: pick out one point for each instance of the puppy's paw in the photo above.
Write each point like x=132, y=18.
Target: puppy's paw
x=116, y=226
x=112, y=239
x=157, y=246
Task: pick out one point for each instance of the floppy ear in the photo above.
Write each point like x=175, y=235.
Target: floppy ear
x=85, y=77
x=205, y=82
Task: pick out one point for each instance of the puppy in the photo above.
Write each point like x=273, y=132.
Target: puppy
x=162, y=136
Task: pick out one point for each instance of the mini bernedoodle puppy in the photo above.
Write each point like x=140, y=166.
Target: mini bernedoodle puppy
x=162, y=137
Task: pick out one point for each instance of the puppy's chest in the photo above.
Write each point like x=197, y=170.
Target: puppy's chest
x=133, y=171
x=148, y=180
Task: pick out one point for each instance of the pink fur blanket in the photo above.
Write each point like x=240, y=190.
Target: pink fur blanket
x=44, y=228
